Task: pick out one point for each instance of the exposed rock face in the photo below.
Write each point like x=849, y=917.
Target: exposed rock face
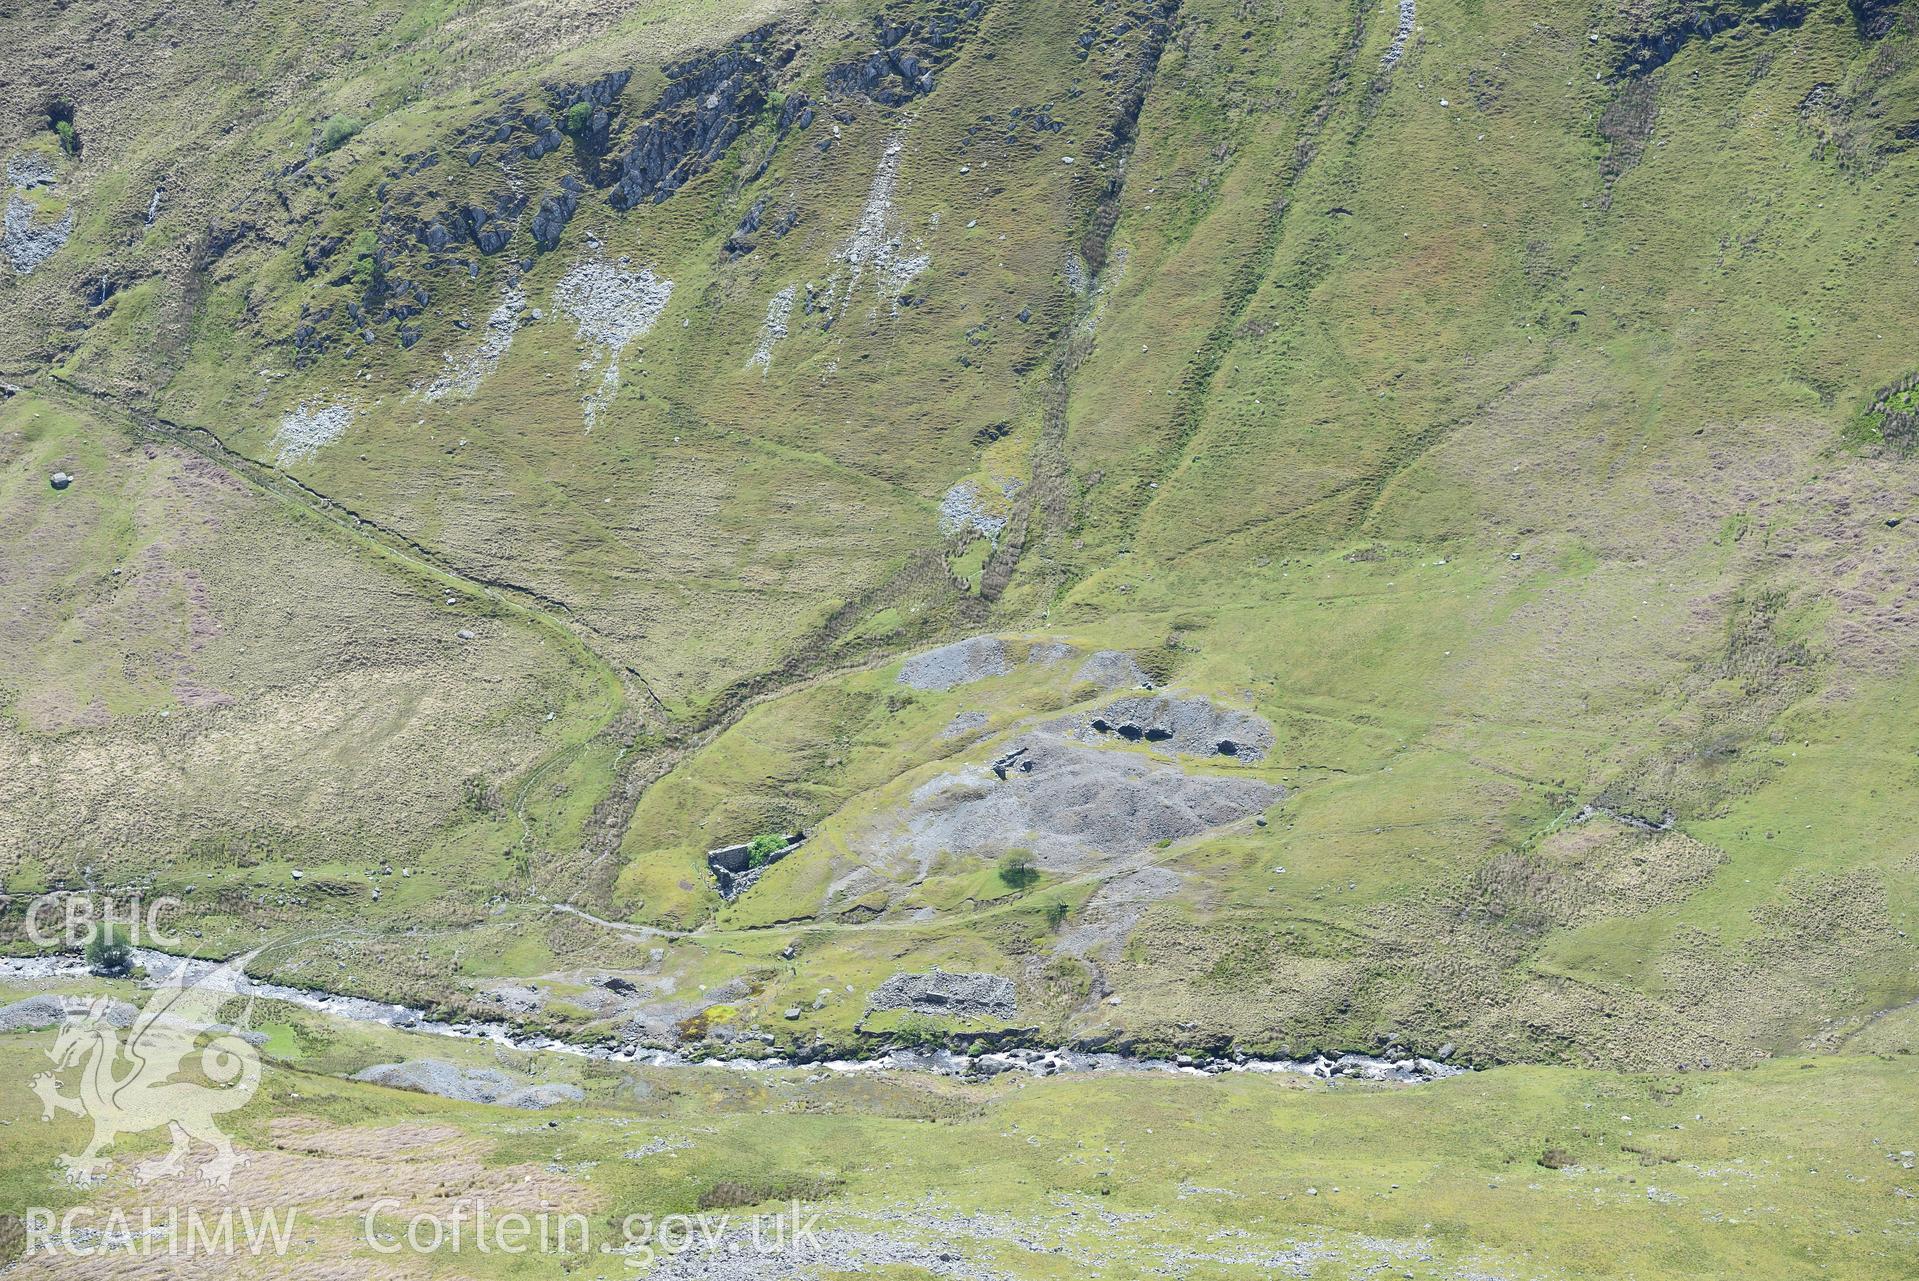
x=745, y=237
x=593, y=105
x=491, y=228
x=555, y=212
x=471, y=1085
x=425, y=229
x=966, y=996
x=708, y=101
x=734, y=870
x=1646, y=49
x=911, y=48
x=1898, y=426
x=1875, y=17
x=1127, y=47
x=1651, y=42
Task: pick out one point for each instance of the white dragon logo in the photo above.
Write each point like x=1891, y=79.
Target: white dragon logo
x=159, y=1043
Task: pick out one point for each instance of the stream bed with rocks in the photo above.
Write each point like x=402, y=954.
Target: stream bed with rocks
x=162, y=969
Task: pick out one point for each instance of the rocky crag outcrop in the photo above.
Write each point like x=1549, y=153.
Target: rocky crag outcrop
x=511, y=182
x=1649, y=45
x=911, y=46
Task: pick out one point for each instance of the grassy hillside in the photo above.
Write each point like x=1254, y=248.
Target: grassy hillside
x=516, y=448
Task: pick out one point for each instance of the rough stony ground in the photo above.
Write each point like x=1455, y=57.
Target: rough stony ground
x=878, y=245
x=27, y=238
x=36, y=1012
x=964, y=723
x=978, y=657
x=29, y=169
x=1063, y=791
x=1074, y=807
x=306, y=429
x=465, y=373
x=1104, y=920
x=739, y=1256
x=967, y=507
x=1190, y=726
x=32, y=1013
x=960, y=663
x=611, y=305
x=29, y=243
x=1112, y=669
x=957, y=995
x=613, y=308
x=773, y=328
x=1402, y=35
x=471, y=1085
x=1090, y=1240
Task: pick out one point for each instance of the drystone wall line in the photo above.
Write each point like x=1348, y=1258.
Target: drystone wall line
x=269, y=479
x=543, y=610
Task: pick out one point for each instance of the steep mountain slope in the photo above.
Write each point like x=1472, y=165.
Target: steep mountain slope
x=1420, y=494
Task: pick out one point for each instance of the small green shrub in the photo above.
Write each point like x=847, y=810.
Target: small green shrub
x=577, y=116
x=1017, y=870
x=763, y=847
x=1056, y=915
x=337, y=131
x=69, y=140
x=481, y=796
x=918, y=1031
x=107, y=952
